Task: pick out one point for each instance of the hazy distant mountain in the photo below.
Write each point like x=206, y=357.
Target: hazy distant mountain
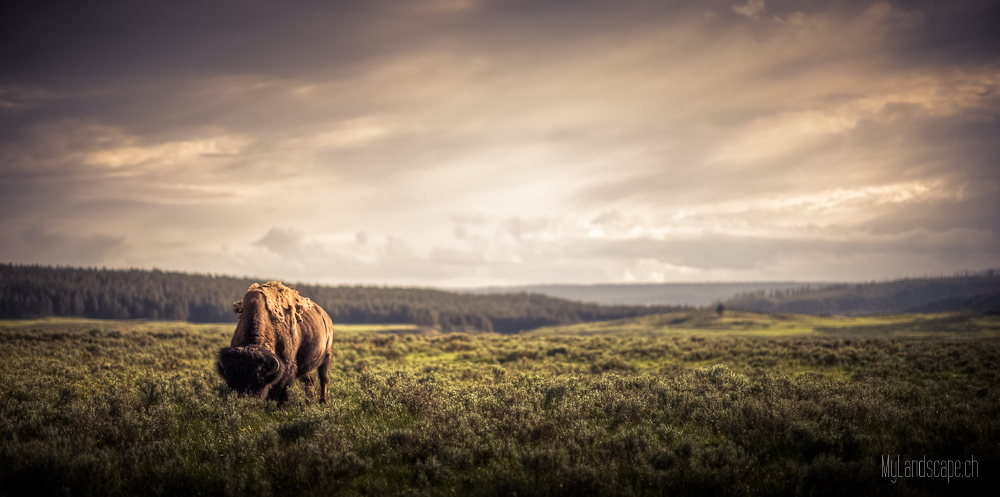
x=966, y=292
x=694, y=294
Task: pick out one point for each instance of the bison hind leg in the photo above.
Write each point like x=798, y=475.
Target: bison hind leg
x=307, y=384
x=323, y=371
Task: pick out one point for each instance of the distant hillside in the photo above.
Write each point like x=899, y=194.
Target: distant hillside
x=706, y=322
x=36, y=291
x=695, y=294
x=977, y=292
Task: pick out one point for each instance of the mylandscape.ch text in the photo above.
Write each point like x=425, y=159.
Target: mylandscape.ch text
x=929, y=468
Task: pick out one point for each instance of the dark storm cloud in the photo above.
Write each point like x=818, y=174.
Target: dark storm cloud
x=951, y=33
x=86, y=42
x=148, y=39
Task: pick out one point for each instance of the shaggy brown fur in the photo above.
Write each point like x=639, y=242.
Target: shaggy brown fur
x=281, y=337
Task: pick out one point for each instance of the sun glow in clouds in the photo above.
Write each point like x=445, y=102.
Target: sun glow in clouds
x=164, y=154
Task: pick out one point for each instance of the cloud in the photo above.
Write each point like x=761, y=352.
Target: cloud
x=284, y=242
x=447, y=6
x=926, y=97
x=54, y=247
x=753, y=8
x=454, y=142
x=163, y=154
x=15, y=98
x=518, y=227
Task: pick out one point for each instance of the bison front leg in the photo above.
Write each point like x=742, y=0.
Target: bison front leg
x=307, y=384
x=279, y=394
x=279, y=389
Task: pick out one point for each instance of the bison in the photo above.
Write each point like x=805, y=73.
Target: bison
x=281, y=337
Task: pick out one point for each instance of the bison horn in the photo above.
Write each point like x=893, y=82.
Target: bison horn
x=238, y=306
x=274, y=367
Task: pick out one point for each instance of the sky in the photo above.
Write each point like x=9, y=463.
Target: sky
x=460, y=143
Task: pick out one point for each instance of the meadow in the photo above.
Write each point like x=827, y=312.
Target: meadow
x=677, y=404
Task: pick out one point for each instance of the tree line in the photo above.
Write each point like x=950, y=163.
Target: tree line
x=41, y=291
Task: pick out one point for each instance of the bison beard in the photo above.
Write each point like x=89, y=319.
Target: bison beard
x=281, y=337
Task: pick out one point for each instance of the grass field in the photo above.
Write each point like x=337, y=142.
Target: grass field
x=680, y=404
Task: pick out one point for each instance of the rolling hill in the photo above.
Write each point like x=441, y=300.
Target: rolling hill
x=693, y=294
x=976, y=292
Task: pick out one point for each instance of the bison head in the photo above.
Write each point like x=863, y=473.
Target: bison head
x=249, y=371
